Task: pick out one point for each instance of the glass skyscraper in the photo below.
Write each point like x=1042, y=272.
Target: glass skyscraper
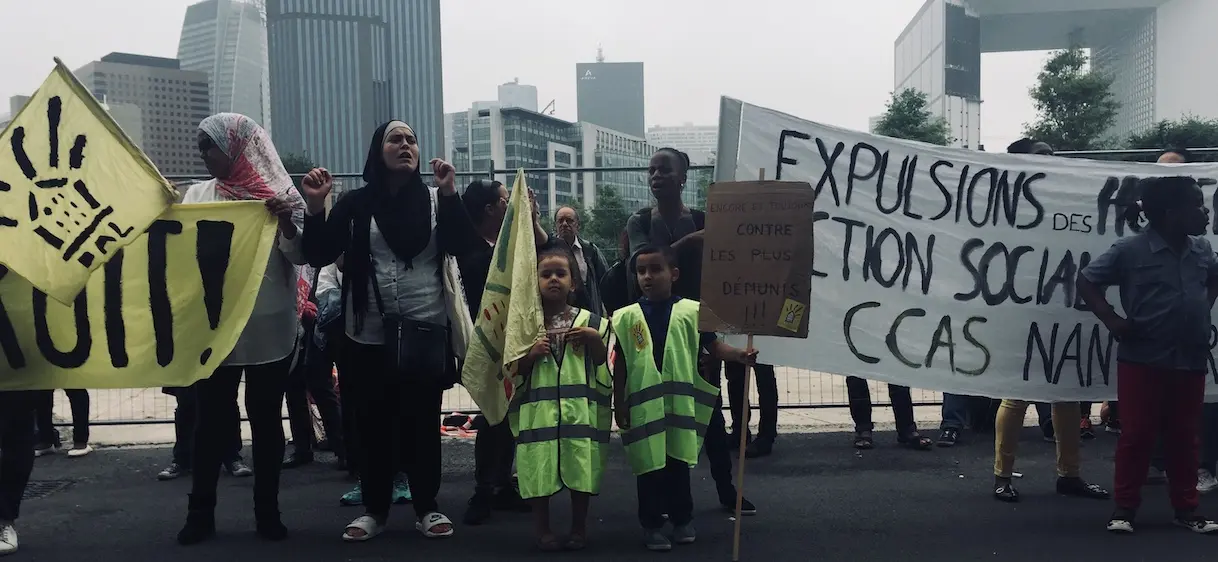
x=339, y=68
x=227, y=40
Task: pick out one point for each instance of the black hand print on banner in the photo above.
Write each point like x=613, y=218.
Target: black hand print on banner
x=66, y=237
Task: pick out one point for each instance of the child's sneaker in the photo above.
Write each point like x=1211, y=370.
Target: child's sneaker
x=655, y=541
x=684, y=534
x=1195, y=523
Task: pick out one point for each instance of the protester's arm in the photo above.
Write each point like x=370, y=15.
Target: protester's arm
x=636, y=233
x=327, y=280
x=325, y=238
x=621, y=411
x=540, y=236
x=1104, y=271
x=720, y=350
x=691, y=241
x=594, y=346
x=289, y=237
x=1211, y=273
x=454, y=229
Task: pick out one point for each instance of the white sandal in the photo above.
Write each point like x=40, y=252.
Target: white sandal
x=365, y=523
x=431, y=521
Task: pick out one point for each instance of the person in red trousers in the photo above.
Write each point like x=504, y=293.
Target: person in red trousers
x=1168, y=278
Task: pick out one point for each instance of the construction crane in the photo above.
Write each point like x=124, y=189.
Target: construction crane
x=549, y=108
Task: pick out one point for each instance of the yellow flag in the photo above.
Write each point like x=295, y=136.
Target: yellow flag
x=510, y=318
x=73, y=188
x=164, y=311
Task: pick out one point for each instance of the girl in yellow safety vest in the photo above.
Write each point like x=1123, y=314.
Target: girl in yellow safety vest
x=561, y=416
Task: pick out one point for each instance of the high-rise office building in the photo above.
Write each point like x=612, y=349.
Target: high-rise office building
x=227, y=40
x=341, y=68
x=1150, y=48
x=515, y=94
x=507, y=138
x=610, y=94
x=171, y=103
x=698, y=141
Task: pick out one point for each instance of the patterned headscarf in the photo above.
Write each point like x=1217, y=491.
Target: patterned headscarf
x=256, y=173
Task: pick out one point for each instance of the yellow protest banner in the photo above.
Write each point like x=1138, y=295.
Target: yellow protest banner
x=510, y=319
x=164, y=311
x=73, y=188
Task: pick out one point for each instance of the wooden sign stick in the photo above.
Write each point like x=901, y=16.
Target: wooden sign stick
x=744, y=434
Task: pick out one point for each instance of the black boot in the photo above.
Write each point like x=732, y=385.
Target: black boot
x=267, y=521
x=200, y=521
x=270, y=527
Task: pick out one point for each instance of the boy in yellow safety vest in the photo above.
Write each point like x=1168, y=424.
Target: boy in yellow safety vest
x=660, y=401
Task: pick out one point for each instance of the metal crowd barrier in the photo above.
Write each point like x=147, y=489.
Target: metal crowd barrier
x=797, y=388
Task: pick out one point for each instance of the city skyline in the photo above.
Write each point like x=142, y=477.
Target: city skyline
x=687, y=67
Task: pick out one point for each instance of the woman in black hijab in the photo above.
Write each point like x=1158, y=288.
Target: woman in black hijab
x=394, y=235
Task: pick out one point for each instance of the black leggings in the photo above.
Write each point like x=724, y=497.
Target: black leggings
x=860, y=406
x=44, y=409
x=17, y=439
x=767, y=395
x=389, y=412
x=217, y=399
x=313, y=377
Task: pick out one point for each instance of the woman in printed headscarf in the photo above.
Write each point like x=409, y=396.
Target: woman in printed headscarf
x=402, y=300
x=239, y=155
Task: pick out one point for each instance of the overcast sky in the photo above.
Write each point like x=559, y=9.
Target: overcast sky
x=823, y=60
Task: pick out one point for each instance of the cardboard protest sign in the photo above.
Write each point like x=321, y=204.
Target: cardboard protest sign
x=73, y=188
x=757, y=258
x=164, y=311
x=509, y=321
x=948, y=269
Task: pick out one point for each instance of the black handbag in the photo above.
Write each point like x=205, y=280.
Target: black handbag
x=417, y=350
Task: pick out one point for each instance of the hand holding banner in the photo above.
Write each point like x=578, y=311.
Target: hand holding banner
x=509, y=321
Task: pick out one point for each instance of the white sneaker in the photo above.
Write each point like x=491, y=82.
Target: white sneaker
x=8, y=539
x=79, y=451
x=1206, y=482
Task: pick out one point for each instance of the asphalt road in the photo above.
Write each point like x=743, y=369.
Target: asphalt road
x=818, y=500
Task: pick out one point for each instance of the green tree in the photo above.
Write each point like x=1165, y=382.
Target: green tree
x=906, y=117
x=297, y=164
x=1074, y=103
x=1188, y=132
x=607, y=221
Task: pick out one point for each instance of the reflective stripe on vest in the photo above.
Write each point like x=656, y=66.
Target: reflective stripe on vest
x=669, y=407
x=671, y=388
x=636, y=434
x=565, y=432
x=548, y=393
x=561, y=418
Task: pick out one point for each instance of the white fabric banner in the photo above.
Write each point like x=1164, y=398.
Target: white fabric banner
x=948, y=269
